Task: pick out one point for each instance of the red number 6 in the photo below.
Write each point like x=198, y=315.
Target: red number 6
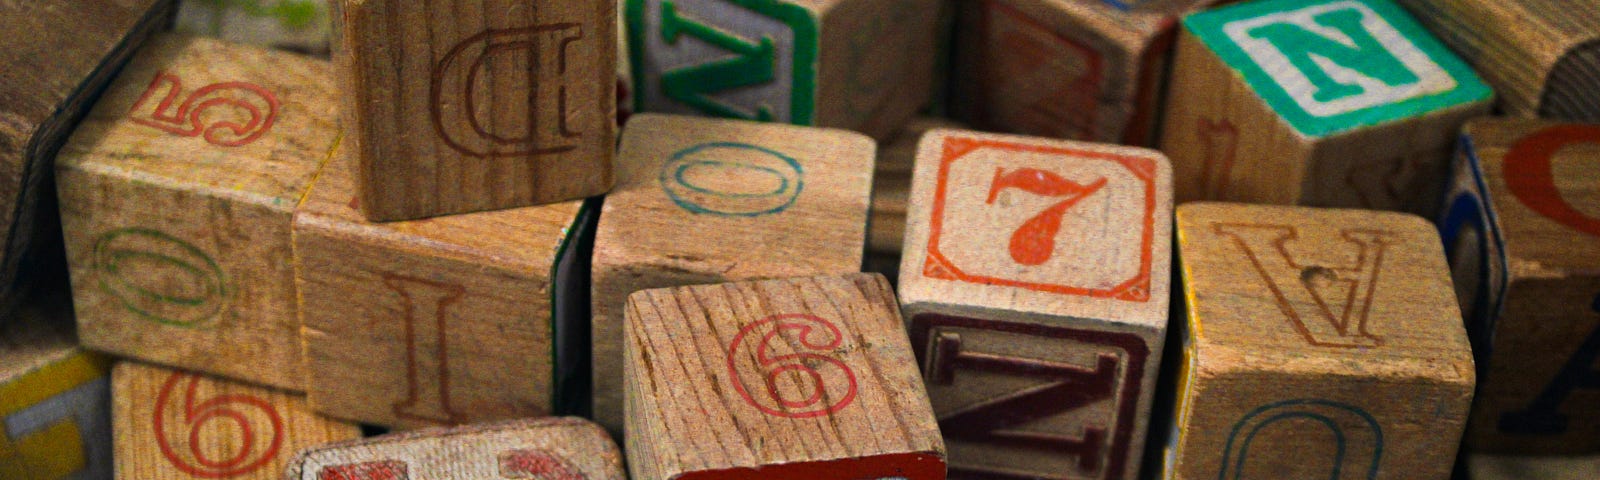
x=825, y=394
x=190, y=415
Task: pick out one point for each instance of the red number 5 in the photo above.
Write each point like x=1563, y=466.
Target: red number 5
x=180, y=419
x=831, y=388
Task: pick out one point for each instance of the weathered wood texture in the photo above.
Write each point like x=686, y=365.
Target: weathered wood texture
x=470, y=105
x=177, y=195
x=1269, y=104
x=1317, y=341
x=171, y=424
x=705, y=201
x=891, y=185
x=55, y=398
x=865, y=65
x=1069, y=69
x=1521, y=467
x=547, y=448
x=58, y=56
x=1541, y=56
x=1522, y=228
x=429, y=322
x=1035, y=283
x=794, y=378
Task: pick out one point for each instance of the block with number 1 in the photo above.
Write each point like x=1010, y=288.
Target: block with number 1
x=1035, y=283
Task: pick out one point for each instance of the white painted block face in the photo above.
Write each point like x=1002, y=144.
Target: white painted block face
x=546, y=449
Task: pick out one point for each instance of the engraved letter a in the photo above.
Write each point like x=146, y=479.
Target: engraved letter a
x=1327, y=305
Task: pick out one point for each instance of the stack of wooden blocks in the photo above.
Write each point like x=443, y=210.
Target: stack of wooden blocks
x=1109, y=239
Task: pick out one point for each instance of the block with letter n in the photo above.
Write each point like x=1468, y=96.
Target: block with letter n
x=552, y=448
x=55, y=397
x=865, y=65
x=1317, y=343
x=794, y=378
x=1331, y=103
x=1522, y=231
x=1035, y=280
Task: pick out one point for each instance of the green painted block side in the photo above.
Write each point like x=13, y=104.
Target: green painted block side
x=1328, y=66
x=750, y=62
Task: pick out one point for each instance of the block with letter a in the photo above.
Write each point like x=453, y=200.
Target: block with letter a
x=794, y=378
x=178, y=425
x=439, y=321
x=1035, y=280
x=1315, y=341
x=1332, y=103
x=177, y=196
x=55, y=398
x=546, y=448
x=470, y=105
x=1523, y=234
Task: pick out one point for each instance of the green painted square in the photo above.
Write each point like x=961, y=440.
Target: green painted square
x=1329, y=66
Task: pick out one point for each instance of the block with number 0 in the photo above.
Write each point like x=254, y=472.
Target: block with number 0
x=546, y=448
x=1034, y=281
x=55, y=398
x=807, y=377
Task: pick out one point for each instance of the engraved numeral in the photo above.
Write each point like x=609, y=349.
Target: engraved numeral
x=228, y=114
x=181, y=414
x=793, y=386
x=537, y=465
x=380, y=470
x=1035, y=242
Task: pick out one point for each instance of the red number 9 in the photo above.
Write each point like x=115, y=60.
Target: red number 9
x=832, y=384
x=179, y=421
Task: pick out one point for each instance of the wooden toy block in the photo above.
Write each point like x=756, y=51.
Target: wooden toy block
x=177, y=195
x=807, y=377
x=707, y=201
x=1330, y=103
x=55, y=398
x=1317, y=341
x=61, y=54
x=864, y=65
x=439, y=321
x=1072, y=69
x=1035, y=285
x=173, y=424
x=471, y=105
x=891, y=185
x=548, y=448
x=1523, y=236
x=1541, y=56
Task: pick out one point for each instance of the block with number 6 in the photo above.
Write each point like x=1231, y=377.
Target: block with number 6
x=546, y=448
x=806, y=377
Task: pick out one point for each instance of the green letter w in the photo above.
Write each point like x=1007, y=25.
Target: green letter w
x=690, y=85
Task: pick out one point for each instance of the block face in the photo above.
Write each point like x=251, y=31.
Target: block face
x=174, y=424
x=1333, y=65
x=428, y=322
x=554, y=448
x=705, y=201
x=1006, y=53
x=1303, y=321
x=55, y=400
x=1520, y=237
x=217, y=143
x=809, y=377
x=452, y=100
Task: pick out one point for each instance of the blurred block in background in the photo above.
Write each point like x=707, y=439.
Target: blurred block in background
x=55, y=398
x=295, y=25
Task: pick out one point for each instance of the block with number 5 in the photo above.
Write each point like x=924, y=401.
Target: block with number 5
x=806, y=377
x=1035, y=281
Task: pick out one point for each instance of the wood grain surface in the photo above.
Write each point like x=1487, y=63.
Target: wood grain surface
x=549, y=448
x=470, y=105
x=795, y=378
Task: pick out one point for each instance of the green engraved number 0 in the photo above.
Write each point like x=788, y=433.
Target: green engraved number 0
x=160, y=278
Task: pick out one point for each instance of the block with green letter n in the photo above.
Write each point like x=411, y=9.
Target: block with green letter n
x=1335, y=103
x=859, y=64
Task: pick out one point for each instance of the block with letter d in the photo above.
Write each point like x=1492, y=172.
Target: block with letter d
x=1333, y=103
x=1318, y=343
x=55, y=398
x=795, y=378
x=1523, y=236
x=1035, y=280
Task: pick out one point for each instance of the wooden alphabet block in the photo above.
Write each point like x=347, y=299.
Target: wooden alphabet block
x=1316, y=341
x=707, y=201
x=177, y=197
x=1540, y=55
x=864, y=65
x=172, y=424
x=1331, y=103
x=1035, y=285
x=1523, y=236
x=55, y=399
x=1061, y=68
x=806, y=377
x=60, y=54
x=439, y=321
x=470, y=105
x=891, y=185
x=549, y=448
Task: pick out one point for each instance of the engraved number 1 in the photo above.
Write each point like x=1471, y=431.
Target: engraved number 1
x=427, y=305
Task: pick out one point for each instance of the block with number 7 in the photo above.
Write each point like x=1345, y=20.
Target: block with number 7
x=1035, y=283
x=807, y=377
